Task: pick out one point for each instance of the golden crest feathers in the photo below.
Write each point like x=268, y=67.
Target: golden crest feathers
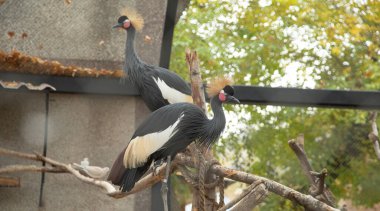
x=136, y=19
x=218, y=84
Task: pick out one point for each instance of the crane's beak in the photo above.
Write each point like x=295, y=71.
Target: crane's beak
x=232, y=99
x=117, y=25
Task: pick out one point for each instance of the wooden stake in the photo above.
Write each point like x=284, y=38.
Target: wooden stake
x=10, y=182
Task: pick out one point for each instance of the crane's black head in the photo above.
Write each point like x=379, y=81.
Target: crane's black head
x=129, y=19
x=220, y=88
x=123, y=22
x=227, y=95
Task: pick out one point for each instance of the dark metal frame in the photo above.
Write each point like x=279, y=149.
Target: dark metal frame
x=246, y=94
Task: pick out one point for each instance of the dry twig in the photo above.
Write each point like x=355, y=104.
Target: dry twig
x=297, y=145
x=307, y=201
x=254, y=198
x=321, y=182
x=374, y=134
x=150, y=179
x=9, y=182
x=245, y=193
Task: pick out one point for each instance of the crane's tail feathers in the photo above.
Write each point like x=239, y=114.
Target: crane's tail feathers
x=117, y=171
x=131, y=176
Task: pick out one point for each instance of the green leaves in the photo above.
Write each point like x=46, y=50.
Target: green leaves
x=319, y=44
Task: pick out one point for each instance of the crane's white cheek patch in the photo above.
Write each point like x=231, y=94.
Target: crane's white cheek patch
x=141, y=147
x=170, y=94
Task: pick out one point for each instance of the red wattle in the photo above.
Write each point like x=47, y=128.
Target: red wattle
x=222, y=97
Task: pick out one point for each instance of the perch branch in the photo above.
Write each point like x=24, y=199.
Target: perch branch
x=8, y=152
x=307, y=201
x=254, y=198
x=241, y=196
x=321, y=182
x=374, y=134
x=197, y=88
x=20, y=168
x=9, y=182
x=203, y=198
x=297, y=145
x=60, y=166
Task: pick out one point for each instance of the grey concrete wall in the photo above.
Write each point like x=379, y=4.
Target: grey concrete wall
x=21, y=128
x=79, y=125
x=92, y=126
x=79, y=31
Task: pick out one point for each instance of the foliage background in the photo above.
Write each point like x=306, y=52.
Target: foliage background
x=289, y=43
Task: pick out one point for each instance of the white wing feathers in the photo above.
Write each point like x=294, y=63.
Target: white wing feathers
x=170, y=94
x=141, y=147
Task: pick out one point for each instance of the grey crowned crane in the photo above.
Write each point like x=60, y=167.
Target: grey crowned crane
x=168, y=131
x=158, y=86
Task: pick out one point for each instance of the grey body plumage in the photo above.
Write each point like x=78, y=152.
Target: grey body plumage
x=193, y=125
x=142, y=76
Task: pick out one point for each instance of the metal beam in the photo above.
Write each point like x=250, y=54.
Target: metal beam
x=167, y=37
x=308, y=97
x=246, y=94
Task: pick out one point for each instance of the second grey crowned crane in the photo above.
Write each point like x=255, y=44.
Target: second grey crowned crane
x=169, y=130
x=157, y=86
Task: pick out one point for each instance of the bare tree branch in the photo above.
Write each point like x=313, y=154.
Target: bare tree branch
x=9, y=182
x=20, y=168
x=197, y=88
x=297, y=145
x=9, y=152
x=374, y=134
x=307, y=201
x=61, y=166
x=321, y=182
x=254, y=198
x=203, y=198
x=245, y=193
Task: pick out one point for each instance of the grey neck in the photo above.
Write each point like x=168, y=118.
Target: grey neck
x=131, y=58
x=218, y=122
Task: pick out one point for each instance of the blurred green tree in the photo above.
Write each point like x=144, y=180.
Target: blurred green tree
x=290, y=43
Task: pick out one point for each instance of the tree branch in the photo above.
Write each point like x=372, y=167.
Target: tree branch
x=307, y=201
x=297, y=145
x=9, y=182
x=374, y=134
x=33, y=168
x=197, y=88
x=58, y=165
x=321, y=182
x=203, y=198
x=243, y=195
x=254, y=198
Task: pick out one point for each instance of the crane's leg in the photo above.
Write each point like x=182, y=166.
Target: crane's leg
x=164, y=187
